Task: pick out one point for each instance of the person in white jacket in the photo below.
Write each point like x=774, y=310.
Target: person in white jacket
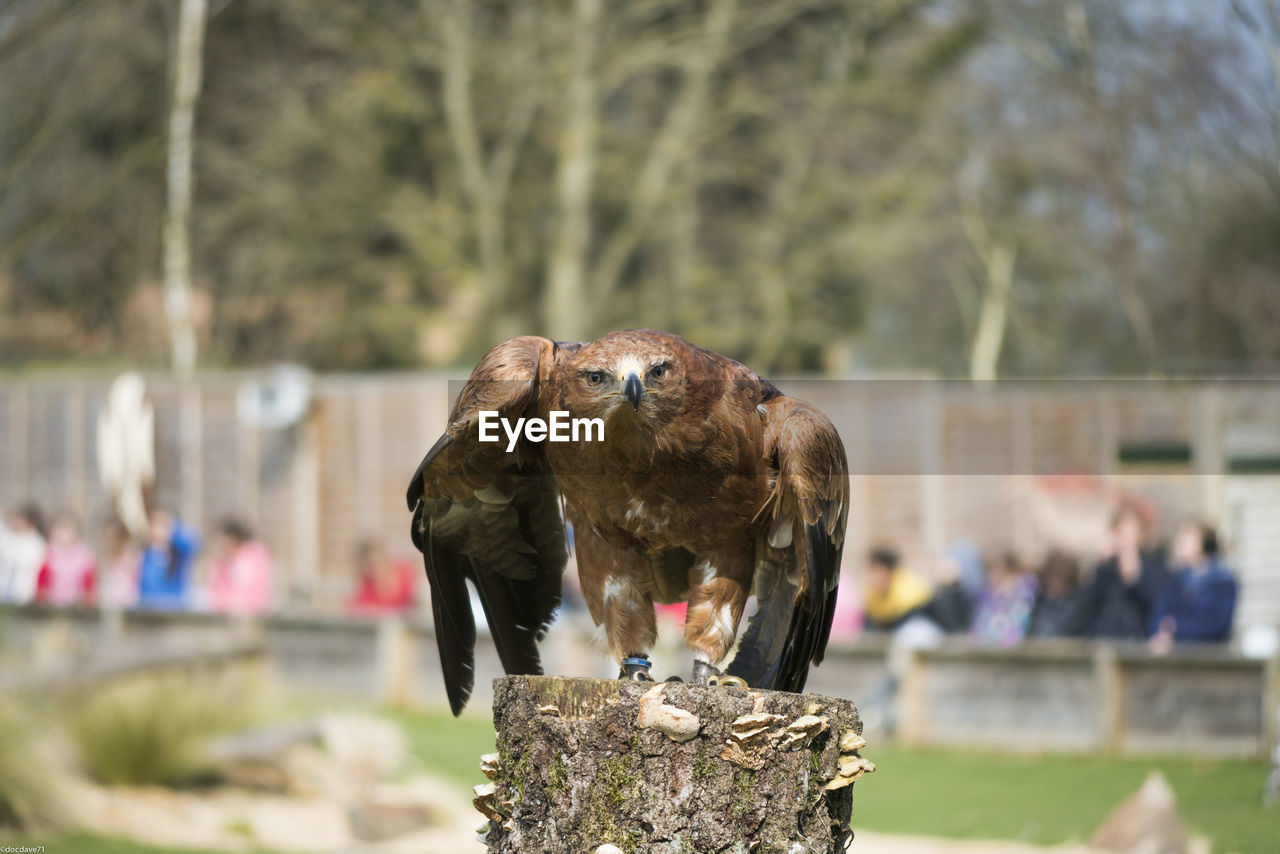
x=22, y=553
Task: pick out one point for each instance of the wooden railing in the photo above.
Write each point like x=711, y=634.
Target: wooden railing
x=1074, y=696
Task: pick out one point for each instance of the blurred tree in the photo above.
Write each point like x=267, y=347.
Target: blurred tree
x=82, y=95
x=1086, y=137
x=1261, y=20
x=187, y=67
x=976, y=187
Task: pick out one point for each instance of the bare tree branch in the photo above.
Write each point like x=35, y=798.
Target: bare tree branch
x=51, y=14
x=671, y=146
x=460, y=121
x=46, y=228
x=563, y=313
x=773, y=291
x=999, y=257
x=1128, y=273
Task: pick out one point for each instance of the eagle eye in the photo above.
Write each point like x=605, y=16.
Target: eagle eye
x=657, y=372
x=595, y=377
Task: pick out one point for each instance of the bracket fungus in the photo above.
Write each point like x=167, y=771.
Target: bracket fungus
x=490, y=765
x=750, y=727
x=676, y=723
x=802, y=730
x=851, y=768
x=851, y=741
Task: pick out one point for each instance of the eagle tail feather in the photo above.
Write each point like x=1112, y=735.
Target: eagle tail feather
x=802, y=623
x=827, y=619
x=455, y=626
x=515, y=630
x=761, y=647
x=822, y=560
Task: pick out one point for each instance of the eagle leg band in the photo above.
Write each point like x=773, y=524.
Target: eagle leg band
x=636, y=668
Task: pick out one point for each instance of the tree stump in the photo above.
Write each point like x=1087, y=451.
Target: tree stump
x=603, y=765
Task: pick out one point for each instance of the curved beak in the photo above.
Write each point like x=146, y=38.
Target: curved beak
x=633, y=390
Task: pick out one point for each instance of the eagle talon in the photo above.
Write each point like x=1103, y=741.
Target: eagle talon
x=635, y=669
x=733, y=682
x=705, y=673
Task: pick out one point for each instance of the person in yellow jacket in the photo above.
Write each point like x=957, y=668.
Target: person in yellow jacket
x=894, y=593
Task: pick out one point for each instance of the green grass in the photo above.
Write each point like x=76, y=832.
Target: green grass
x=1053, y=799
x=447, y=746
x=1043, y=800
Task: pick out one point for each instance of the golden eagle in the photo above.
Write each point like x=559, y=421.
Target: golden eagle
x=707, y=486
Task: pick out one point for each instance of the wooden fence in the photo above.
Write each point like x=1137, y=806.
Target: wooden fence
x=931, y=461
x=1090, y=697
x=1047, y=696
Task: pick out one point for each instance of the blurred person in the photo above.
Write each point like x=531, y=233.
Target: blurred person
x=240, y=579
x=1059, y=610
x=164, y=576
x=22, y=553
x=70, y=569
x=894, y=594
x=385, y=585
x=896, y=603
x=1003, y=610
x=1120, y=598
x=121, y=563
x=1198, y=601
x=959, y=574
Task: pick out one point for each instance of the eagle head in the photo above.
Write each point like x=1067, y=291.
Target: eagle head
x=628, y=378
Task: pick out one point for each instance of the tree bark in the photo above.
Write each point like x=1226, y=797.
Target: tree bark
x=177, y=225
x=998, y=255
x=669, y=768
x=993, y=316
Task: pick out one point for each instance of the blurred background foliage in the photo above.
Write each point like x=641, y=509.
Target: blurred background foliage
x=153, y=731
x=1008, y=187
x=29, y=799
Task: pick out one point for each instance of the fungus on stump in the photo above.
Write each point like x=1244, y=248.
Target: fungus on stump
x=603, y=764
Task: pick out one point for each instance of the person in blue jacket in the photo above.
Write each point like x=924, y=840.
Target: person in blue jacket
x=1198, y=602
x=164, y=580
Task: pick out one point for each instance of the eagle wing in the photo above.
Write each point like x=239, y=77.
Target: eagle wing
x=493, y=518
x=798, y=571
